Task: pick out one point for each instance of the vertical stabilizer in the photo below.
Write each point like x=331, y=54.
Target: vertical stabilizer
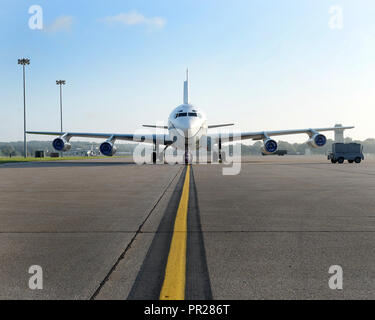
x=186, y=88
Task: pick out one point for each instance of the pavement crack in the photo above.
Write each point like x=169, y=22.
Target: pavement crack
x=122, y=256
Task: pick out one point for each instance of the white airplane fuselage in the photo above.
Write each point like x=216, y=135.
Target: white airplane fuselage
x=187, y=125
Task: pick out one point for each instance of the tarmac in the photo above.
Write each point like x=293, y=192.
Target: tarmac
x=102, y=229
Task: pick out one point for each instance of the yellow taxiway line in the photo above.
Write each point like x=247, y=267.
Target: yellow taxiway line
x=175, y=272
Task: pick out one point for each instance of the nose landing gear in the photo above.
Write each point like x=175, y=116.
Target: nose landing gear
x=187, y=156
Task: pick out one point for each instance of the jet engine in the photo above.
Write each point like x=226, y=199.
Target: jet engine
x=60, y=144
x=318, y=140
x=270, y=146
x=108, y=149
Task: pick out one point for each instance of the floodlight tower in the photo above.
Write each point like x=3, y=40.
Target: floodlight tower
x=24, y=62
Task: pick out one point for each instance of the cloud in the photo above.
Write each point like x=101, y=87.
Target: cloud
x=134, y=18
x=63, y=23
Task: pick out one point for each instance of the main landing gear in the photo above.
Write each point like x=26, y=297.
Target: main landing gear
x=156, y=154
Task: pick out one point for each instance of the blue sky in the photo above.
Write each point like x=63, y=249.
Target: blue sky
x=262, y=64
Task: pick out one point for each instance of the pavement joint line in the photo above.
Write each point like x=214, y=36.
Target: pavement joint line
x=122, y=256
x=173, y=287
x=206, y=231
x=269, y=231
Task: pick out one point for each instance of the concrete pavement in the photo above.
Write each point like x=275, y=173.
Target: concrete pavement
x=270, y=232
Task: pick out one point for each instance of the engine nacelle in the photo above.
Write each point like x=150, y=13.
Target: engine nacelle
x=270, y=146
x=317, y=141
x=108, y=149
x=60, y=144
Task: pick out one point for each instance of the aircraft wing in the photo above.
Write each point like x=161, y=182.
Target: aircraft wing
x=148, y=138
x=266, y=134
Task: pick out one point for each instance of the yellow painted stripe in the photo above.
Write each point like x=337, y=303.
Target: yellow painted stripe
x=175, y=273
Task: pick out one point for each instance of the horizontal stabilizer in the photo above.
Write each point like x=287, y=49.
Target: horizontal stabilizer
x=220, y=125
x=152, y=126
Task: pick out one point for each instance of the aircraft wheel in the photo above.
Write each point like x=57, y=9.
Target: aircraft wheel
x=358, y=160
x=333, y=160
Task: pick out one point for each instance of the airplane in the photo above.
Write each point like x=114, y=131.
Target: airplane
x=188, y=130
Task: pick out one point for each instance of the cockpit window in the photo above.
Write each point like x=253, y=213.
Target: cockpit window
x=185, y=114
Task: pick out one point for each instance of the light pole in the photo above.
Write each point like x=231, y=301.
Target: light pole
x=61, y=83
x=24, y=62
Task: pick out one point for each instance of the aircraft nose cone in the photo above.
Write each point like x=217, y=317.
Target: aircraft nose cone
x=190, y=131
x=188, y=127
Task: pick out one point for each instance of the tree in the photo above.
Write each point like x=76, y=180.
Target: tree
x=8, y=150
